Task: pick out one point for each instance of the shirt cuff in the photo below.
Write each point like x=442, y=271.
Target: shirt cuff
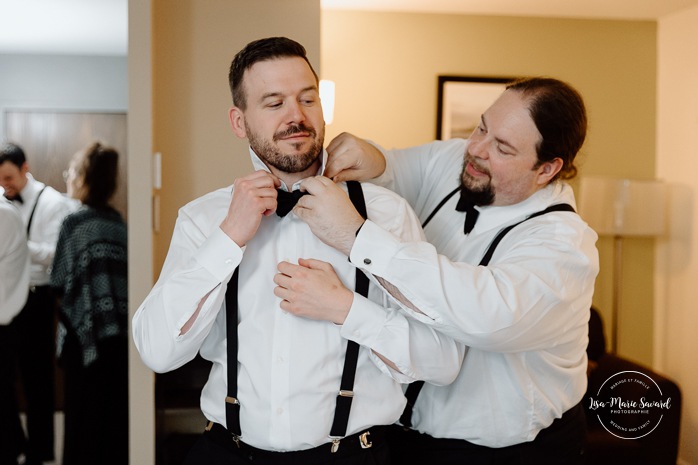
x=364, y=322
x=373, y=249
x=219, y=255
x=363, y=325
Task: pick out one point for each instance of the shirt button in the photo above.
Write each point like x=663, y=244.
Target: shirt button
x=229, y=261
x=279, y=411
x=367, y=261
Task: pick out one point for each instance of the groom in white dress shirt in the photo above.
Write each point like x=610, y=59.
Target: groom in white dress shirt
x=289, y=368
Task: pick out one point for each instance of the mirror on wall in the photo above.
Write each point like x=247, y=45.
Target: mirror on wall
x=63, y=85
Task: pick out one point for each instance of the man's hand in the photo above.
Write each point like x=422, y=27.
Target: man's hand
x=353, y=159
x=254, y=196
x=329, y=213
x=312, y=290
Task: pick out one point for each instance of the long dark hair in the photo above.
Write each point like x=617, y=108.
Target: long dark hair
x=97, y=168
x=558, y=112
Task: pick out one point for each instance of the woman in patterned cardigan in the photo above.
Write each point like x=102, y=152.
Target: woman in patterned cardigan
x=90, y=275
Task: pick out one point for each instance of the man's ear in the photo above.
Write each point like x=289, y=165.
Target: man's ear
x=237, y=122
x=24, y=169
x=549, y=170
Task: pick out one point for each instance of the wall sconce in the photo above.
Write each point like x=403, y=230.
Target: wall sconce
x=622, y=208
x=327, y=100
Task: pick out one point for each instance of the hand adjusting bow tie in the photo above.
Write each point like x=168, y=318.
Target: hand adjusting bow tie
x=16, y=198
x=467, y=206
x=287, y=200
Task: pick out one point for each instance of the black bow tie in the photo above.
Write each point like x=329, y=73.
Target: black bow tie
x=467, y=206
x=286, y=201
x=16, y=198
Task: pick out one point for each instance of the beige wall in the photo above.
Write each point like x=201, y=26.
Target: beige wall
x=140, y=248
x=677, y=265
x=193, y=45
x=386, y=79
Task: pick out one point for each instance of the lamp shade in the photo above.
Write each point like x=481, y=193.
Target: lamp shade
x=623, y=207
x=327, y=100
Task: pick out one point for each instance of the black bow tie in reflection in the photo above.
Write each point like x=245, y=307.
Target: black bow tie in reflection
x=467, y=206
x=287, y=200
x=16, y=198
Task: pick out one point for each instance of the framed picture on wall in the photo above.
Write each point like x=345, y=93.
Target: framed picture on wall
x=461, y=101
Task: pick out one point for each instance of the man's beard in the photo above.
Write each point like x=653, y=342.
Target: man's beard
x=272, y=155
x=480, y=195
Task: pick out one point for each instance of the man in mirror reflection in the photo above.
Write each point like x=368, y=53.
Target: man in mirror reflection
x=42, y=209
x=14, y=287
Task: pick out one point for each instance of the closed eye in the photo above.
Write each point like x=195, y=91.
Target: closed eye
x=505, y=148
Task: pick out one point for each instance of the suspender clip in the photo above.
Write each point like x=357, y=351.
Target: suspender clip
x=346, y=393
x=365, y=441
x=335, y=445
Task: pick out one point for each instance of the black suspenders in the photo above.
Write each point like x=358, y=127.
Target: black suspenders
x=346, y=389
x=438, y=207
x=413, y=389
x=344, y=398
x=31, y=216
x=232, y=405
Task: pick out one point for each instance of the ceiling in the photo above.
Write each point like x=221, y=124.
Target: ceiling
x=601, y=9
x=79, y=27
x=100, y=27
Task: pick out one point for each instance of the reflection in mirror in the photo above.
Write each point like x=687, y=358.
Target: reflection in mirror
x=57, y=96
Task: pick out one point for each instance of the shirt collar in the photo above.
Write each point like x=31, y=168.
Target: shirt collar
x=497, y=216
x=258, y=164
x=30, y=190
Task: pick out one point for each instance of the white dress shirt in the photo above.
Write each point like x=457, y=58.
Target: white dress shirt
x=289, y=367
x=524, y=317
x=14, y=262
x=52, y=208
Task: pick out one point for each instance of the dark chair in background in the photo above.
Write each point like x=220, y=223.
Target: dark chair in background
x=660, y=447
x=178, y=390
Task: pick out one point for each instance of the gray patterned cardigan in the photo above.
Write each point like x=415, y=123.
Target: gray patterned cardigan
x=89, y=273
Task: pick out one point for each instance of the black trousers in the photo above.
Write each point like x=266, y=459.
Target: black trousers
x=96, y=404
x=562, y=443
x=216, y=447
x=35, y=331
x=11, y=432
